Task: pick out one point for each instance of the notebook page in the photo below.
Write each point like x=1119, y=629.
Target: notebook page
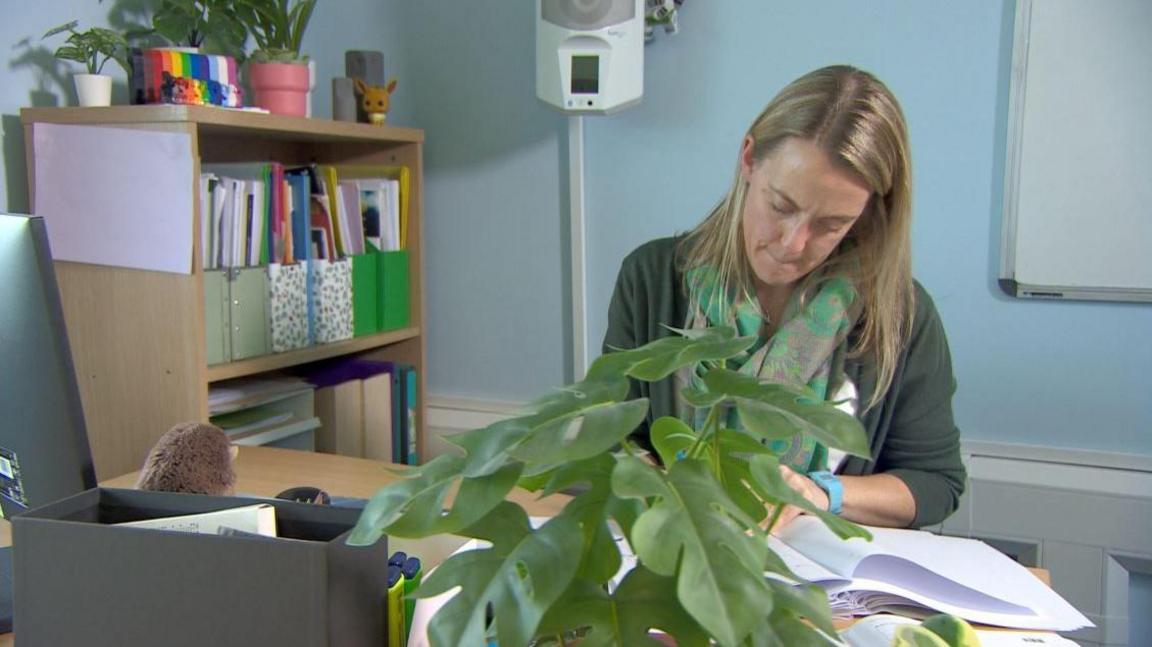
x=811, y=537
x=875, y=596
x=802, y=566
x=969, y=562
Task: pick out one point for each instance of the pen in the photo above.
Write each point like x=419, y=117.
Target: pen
x=396, y=630
x=412, y=572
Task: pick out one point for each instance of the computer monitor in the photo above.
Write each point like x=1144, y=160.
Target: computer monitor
x=44, y=452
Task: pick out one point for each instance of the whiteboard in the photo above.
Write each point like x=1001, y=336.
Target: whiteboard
x=1078, y=173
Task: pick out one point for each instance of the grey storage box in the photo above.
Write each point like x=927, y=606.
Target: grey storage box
x=80, y=581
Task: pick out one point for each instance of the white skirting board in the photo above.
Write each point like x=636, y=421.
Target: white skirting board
x=1086, y=516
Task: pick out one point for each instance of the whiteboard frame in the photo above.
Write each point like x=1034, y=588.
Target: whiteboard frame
x=1013, y=154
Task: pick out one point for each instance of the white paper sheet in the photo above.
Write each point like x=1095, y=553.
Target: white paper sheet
x=964, y=577
x=116, y=196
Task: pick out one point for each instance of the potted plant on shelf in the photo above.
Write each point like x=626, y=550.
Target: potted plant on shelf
x=697, y=519
x=194, y=24
x=93, y=47
x=278, y=72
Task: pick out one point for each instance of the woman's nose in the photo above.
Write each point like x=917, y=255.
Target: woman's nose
x=794, y=237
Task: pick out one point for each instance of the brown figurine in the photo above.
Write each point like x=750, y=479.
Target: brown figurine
x=190, y=457
x=375, y=99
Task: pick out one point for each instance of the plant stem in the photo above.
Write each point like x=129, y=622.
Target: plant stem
x=710, y=422
x=777, y=510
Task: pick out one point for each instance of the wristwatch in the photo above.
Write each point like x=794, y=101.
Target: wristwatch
x=831, y=484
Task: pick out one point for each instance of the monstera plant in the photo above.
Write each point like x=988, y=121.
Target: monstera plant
x=696, y=516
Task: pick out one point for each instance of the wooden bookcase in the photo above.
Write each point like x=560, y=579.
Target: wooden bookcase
x=137, y=337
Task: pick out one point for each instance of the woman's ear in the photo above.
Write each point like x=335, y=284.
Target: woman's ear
x=233, y=451
x=747, y=158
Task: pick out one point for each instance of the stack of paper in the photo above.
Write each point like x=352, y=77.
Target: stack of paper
x=908, y=570
x=259, y=519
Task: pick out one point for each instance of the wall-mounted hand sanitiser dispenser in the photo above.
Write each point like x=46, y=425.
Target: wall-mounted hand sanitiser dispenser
x=590, y=54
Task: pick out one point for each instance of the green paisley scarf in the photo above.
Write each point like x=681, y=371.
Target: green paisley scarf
x=800, y=352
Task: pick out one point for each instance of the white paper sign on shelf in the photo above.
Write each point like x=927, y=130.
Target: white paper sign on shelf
x=115, y=196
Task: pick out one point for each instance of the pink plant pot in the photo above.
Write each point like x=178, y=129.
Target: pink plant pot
x=280, y=88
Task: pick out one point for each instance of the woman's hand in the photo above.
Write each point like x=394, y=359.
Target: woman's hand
x=873, y=500
x=803, y=486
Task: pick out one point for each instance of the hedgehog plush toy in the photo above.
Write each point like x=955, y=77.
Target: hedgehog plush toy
x=190, y=457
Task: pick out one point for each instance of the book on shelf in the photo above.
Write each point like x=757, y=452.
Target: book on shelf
x=259, y=518
x=913, y=572
x=244, y=393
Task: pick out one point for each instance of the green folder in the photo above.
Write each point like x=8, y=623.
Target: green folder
x=217, y=321
x=394, y=301
x=248, y=294
x=365, y=294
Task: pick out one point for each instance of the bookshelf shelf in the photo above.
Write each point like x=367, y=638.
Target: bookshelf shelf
x=276, y=361
x=212, y=120
x=138, y=336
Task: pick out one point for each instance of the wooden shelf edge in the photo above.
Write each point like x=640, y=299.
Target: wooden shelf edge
x=276, y=361
x=214, y=117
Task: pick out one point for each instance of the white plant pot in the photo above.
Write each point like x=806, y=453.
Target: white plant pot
x=93, y=89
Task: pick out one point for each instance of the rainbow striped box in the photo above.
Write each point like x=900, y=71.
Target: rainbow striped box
x=168, y=76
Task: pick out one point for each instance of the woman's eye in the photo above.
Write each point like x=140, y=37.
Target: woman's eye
x=781, y=207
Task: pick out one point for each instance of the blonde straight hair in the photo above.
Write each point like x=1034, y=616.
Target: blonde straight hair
x=856, y=119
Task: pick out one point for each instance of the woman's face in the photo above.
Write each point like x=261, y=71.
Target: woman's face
x=798, y=208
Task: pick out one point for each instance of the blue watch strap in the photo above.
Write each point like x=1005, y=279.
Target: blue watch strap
x=831, y=484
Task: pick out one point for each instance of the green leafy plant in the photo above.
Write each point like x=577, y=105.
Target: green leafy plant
x=277, y=26
x=93, y=47
x=211, y=24
x=697, y=522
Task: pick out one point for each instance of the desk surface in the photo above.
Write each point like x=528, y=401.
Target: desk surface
x=267, y=471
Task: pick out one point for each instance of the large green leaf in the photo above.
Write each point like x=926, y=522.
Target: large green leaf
x=572, y=424
x=672, y=438
x=732, y=471
x=486, y=450
x=595, y=474
x=414, y=506
x=695, y=531
x=521, y=576
x=774, y=411
x=659, y=359
x=769, y=484
x=589, y=432
x=701, y=399
x=809, y=602
x=643, y=601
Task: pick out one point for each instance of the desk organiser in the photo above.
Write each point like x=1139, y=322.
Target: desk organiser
x=81, y=581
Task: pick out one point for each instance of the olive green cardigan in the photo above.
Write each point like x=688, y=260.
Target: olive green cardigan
x=911, y=430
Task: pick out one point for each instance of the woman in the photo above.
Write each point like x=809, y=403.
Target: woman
x=809, y=250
